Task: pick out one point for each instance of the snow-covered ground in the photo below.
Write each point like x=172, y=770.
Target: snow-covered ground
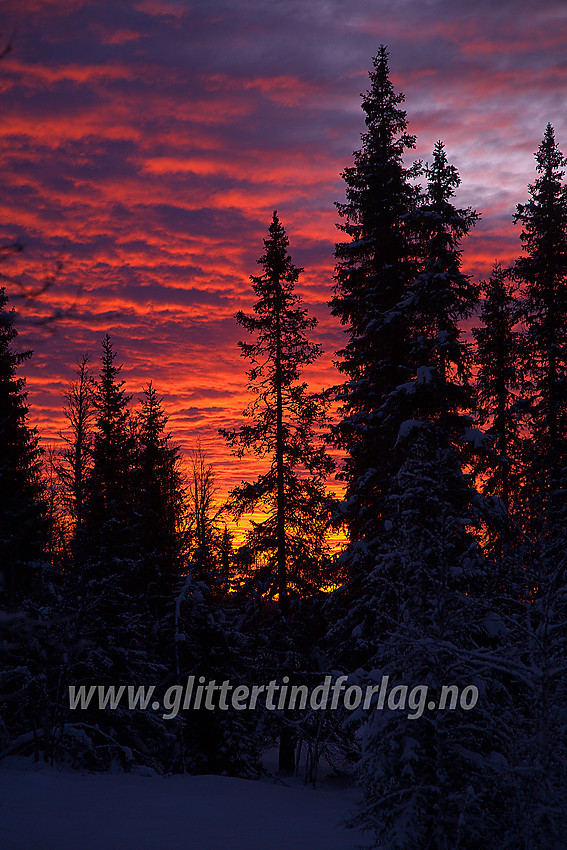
x=48, y=809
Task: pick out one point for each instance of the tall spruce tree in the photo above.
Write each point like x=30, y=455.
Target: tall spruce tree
x=110, y=511
x=160, y=506
x=373, y=271
x=417, y=604
x=285, y=419
x=24, y=600
x=291, y=539
x=373, y=268
x=20, y=472
x=542, y=272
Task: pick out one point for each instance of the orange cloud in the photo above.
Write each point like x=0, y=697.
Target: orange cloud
x=145, y=146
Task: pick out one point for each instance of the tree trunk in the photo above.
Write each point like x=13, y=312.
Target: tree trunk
x=286, y=761
x=281, y=564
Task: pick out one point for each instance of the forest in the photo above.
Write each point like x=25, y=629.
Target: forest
x=448, y=433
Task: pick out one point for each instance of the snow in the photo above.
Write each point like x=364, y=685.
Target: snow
x=407, y=427
x=43, y=808
x=424, y=375
x=476, y=437
x=494, y=624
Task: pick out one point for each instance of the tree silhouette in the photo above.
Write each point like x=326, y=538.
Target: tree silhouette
x=20, y=471
x=76, y=457
x=285, y=420
x=372, y=272
x=160, y=506
x=498, y=383
x=205, y=533
x=542, y=272
x=109, y=512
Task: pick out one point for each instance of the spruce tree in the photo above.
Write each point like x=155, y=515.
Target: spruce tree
x=542, y=272
x=285, y=421
x=373, y=268
x=21, y=506
x=160, y=504
x=117, y=584
x=24, y=597
x=160, y=530
x=76, y=457
x=417, y=605
x=110, y=516
x=499, y=463
x=441, y=296
x=498, y=382
x=441, y=779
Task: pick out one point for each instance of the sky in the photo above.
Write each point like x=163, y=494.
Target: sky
x=145, y=144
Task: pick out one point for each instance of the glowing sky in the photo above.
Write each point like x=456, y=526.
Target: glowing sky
x=145, y=144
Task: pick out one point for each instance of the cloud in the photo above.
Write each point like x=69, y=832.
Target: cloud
x=145, y=145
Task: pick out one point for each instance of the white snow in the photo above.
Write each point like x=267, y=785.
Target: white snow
x=494, y=624
x=424, y=375
x=407, y=427
x=48, y=809
x=476, y=437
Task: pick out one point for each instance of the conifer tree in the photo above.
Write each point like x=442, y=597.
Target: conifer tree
x=441, y=779
x=77, y=454
x=110, y=510
x=500, y=413
x=285, y=419
x=20, y=473
x=161, y=490
x=23, y=530
x=160, y=507
x=542, y=272
x=373, y=268
x=114, y=582
x=441, y=296
x=416, y=605
x=498, y=383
